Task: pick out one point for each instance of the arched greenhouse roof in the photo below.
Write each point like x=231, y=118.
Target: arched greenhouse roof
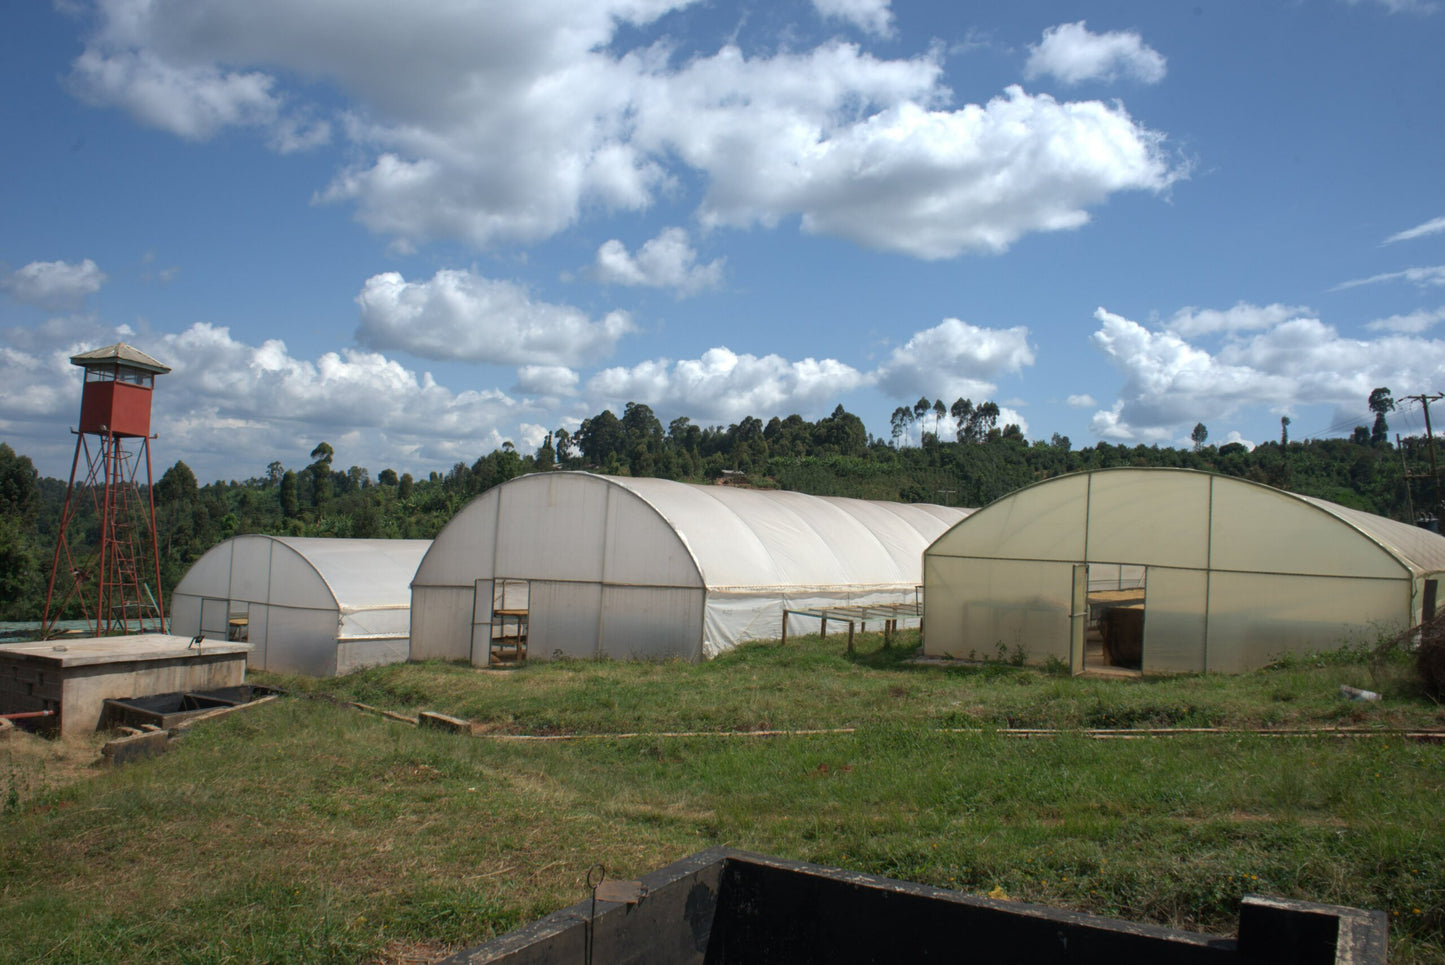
x=1421, y=550
x=1229, y=522
x=742, y=538
x=356, y=574
x=725, y=538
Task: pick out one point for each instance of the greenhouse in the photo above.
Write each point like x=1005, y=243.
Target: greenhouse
x=569, y=564
x=305, y=605
x=1171, y=570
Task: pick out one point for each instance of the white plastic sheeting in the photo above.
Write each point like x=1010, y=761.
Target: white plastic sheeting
x=306, y=605
x=1234, y=574
x=653, y=568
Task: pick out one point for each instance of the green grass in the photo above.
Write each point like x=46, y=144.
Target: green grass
x=307, y=831
x=812, y=684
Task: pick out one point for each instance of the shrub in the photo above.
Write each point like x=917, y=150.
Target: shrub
x=1430, y=658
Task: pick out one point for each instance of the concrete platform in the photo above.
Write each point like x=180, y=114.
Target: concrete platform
x=74, y=677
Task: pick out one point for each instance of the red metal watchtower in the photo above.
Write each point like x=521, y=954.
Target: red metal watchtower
x=110, y=580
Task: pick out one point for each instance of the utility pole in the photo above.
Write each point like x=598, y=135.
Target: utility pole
x=1425, y=399
x=1405, y=471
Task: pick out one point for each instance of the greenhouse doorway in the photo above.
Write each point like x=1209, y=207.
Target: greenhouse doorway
x=215, y=618
x=511, y=612
x=1109, y=629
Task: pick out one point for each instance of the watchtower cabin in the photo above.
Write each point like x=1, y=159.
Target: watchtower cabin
x=116, y=399
x=112, y=581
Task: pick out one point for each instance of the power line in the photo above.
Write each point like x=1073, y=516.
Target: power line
x=1406, y=414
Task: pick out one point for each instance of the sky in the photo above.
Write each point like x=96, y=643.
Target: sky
x=417, y=231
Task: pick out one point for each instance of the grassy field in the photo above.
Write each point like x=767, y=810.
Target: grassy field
x=306, y=830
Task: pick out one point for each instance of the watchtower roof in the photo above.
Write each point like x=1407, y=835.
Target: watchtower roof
x=121, y=354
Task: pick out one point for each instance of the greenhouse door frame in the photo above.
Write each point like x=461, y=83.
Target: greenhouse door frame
x=1081, y=609
x=510, y=619
x=1078, y=618
x=215, y=618
x=481, y=629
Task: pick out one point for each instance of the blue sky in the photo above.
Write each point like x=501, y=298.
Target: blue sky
x=416, y=231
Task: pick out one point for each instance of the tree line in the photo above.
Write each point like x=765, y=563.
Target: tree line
x=954, y=455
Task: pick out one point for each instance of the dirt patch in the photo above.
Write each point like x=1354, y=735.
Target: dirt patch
x=31, y=765
x=397, y=952
x=680, y=813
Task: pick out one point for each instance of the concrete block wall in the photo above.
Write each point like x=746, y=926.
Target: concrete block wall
x=87, y=688
x=26, y=687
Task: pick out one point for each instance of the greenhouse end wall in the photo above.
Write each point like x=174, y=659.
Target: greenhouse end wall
x=1011, y=607
x=306, y=605
x=441, y=622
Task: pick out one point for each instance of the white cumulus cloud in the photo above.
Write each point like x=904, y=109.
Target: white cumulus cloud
x=667, y=261
x=460, y=315
x=1170, y=383
x=926, y=182
x=54, y=285
x=224, y=396
x=498, y=123
x=1073, y=55
x=1242, y=317
x=530, y=437
x=192, y=101
x=954, y=360
x=1009, y=416
x=548, y=381
x=872, y=16
x=724, y=386
x=1410, y=324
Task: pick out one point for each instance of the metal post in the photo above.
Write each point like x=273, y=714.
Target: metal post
x=1405, y=472
x=1434, y=469
x=158, y=599
x=65, y=513
x=1425, y=400
x=109, y=455
x=785, y=628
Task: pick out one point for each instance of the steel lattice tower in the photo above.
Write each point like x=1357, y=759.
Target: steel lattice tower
x=111, y=578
